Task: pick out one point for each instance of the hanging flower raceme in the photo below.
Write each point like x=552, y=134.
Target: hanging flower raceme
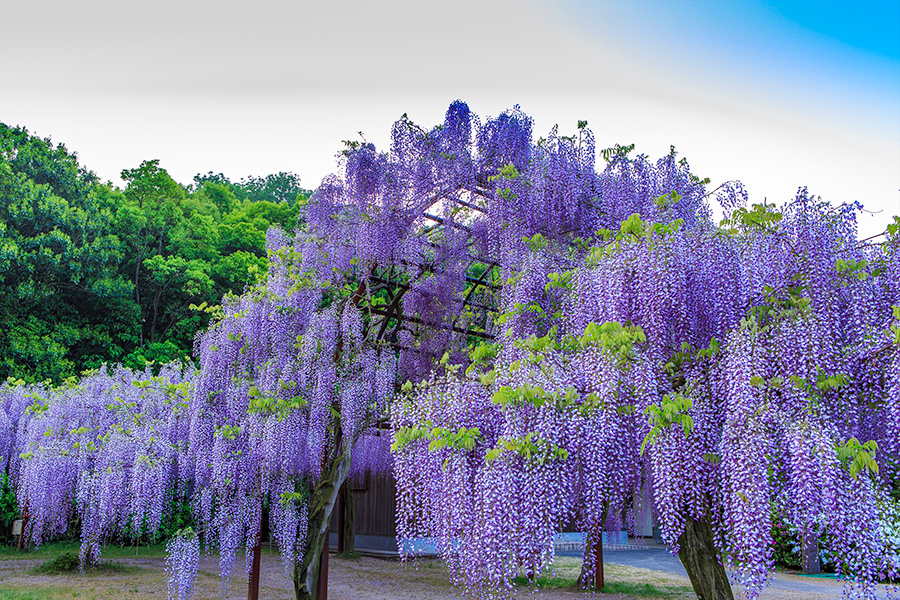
x=762, y=358
x=106, y=450
x=182, y=562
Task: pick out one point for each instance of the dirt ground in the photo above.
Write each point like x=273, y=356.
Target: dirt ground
x=348, y=579
x=363, y=578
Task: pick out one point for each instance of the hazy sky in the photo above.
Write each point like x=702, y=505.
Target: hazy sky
x=776, y=94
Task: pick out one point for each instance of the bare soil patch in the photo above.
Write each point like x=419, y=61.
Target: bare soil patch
x=348, y=579
x=363, y=578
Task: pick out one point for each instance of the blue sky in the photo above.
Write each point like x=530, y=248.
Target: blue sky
x=845, y=49
x=868, y=26
x=776, y=94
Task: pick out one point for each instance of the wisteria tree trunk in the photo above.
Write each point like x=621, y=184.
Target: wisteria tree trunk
x=321, y=504
x=346, y=522
x=698, y=554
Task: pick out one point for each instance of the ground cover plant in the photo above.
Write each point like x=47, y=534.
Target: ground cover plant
x=545, y=342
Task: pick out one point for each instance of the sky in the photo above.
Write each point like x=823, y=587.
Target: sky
x=775, y=94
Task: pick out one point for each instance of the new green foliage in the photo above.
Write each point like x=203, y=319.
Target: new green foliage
x=90, y=273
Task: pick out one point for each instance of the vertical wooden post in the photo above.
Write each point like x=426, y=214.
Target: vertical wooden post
x=347, y=536
x=598, y=564
x=342, y=520
x=253, y=583
x=22, y=534
x=323, y=570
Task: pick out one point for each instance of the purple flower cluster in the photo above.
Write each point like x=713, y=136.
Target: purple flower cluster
x=182, y=562
x=106, y=450
x=766, y=365
x=580, y=348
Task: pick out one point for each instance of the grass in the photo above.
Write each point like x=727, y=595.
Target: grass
x=638, y=590
x=56, y=549
x=51, y=573
x=42, y=594
x=68, y=563
x=58, y=578
x=63, y=593
x=620, y=579
x=549, y=582
x=647, y=590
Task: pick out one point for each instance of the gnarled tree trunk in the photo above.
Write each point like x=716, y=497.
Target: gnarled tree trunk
x=700, y=557
x=321, y=504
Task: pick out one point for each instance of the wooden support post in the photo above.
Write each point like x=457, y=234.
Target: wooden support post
x=598, y=564
x=22, y=534
x=253, y=583
x=341, y=523
x=347, y=536
x=323, y=570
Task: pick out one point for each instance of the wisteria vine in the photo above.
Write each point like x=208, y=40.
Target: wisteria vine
x=578, y=346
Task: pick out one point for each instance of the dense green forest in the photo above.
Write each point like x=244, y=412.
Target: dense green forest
x=91, y=273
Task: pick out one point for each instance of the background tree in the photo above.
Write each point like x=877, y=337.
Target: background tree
x=94, y=274
x=63, y=302
x=277, y=188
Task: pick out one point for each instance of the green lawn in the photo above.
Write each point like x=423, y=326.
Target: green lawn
x=56, y=549
x=45, y=593
x=629, y=581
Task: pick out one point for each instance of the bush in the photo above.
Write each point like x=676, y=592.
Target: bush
x=68, y=562
x=9, y=509
x=787, y=545
x=180, y=516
